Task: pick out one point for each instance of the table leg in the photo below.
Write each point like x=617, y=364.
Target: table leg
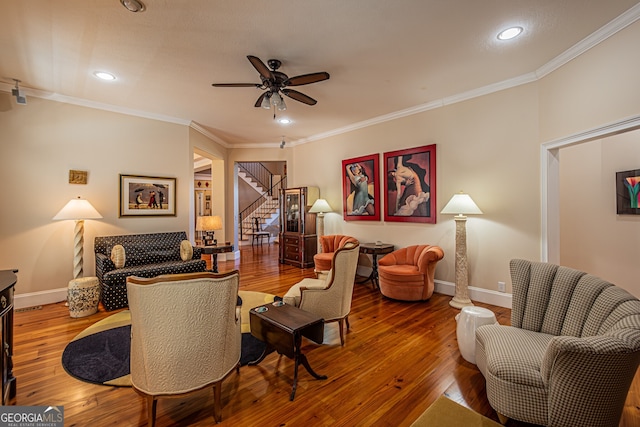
x=214, y=263
x=374, y=271
x=301, y=358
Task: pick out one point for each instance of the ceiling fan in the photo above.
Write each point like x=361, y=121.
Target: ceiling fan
x=276, y=83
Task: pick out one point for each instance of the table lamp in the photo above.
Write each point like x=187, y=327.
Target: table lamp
x=78, y=210
x=207, y=225
x=320, y=207
x=460, y=205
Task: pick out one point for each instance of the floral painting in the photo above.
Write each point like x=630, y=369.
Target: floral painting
x=628, y=192
x=410, y=185
x=361, y=190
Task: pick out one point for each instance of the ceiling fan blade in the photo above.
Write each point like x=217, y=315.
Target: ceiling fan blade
x=236, y=85
x=306, y=79
x=259, y=101
x=294, y=94
x=260, y=67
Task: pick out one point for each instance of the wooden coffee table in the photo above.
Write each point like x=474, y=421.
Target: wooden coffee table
x=282, y=327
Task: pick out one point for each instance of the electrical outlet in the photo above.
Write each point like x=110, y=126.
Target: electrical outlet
x=502, y=287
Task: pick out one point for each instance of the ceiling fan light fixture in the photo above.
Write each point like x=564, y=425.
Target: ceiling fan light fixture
x=266, y=104
x=510, y=33
x=282, y=106
x=133, y=5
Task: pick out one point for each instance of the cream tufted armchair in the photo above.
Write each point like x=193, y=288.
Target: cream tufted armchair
x=329, y=297
x=185, y=335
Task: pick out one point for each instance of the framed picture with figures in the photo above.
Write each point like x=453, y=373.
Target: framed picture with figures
x=147, y=196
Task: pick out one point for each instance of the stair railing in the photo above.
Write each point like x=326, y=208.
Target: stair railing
x=258, y=172
x=259, y=208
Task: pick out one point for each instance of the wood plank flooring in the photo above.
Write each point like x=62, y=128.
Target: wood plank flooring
x=398, y=358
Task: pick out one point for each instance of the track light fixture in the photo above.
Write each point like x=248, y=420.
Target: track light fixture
x=282, y=142
x=21, y=98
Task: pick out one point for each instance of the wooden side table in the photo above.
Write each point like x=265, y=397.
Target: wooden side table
x=8, y=281
x=374, y=250
x=214, y=251
x=282, y=327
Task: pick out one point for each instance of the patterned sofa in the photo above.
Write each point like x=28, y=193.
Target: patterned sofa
x=146, y=255
x=570, y=354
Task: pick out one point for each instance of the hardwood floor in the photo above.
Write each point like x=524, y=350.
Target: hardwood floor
x=398, y=358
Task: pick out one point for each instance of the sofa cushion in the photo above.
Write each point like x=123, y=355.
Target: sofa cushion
x=186, y=250
x=501, y=348
x=118, y=256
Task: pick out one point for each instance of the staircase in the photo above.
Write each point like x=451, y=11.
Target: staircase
x=266, y=207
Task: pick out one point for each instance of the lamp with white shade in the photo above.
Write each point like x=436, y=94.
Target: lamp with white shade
x=207, y=225
x=460, y=205
x=320, y=207
x=78, y=210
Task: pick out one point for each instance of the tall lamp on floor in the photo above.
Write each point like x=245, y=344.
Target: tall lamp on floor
x=460, y=205
x=78, y=210
x=320, y=207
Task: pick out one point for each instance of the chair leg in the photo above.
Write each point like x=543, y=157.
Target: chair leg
x=152, y=404
x=502, y=418
x=341, y=327
x=217, y=391
x=347, y=320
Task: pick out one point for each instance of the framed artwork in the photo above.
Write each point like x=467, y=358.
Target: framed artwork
x=410, y=185
x=361, y=189
x=628, y=192
x=147, y=196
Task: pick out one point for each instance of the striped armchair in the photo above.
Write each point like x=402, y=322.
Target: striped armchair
x=570, y=354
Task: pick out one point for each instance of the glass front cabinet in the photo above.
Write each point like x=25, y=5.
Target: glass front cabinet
x=298, y=239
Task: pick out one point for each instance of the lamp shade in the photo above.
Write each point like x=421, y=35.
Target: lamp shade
x=78, y=209
x=209, y=223
x=320, y=206
x=461, y=204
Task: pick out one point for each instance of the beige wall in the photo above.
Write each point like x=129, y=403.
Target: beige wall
x=487, y=147
x=39, y=144
x=593, y=237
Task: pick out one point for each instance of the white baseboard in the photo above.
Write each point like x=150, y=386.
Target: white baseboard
x=487, y=296
x=34, y=299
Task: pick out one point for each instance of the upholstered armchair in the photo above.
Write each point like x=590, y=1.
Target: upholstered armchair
x=570, y=354
x=331, y=296
x=329, y=244
x=407, y=274
x=185, y=335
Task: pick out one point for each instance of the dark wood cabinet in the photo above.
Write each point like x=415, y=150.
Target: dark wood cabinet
x=7, y=283
x=298, y=239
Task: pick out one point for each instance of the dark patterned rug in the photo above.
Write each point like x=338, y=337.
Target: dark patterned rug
x=100, y=353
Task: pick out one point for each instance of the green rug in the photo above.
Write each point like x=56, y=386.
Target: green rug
x=444, y=412
x=100, y=353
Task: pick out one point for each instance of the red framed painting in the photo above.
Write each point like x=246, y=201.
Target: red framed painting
x=361, y=189
x=410, y=185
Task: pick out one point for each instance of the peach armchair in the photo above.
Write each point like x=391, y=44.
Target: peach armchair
x=185, y=335
x=329, y=245
x=407, y=274
x=331, y=296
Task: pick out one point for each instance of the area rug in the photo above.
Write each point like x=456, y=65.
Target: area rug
x=444, y=412
x=100, y=353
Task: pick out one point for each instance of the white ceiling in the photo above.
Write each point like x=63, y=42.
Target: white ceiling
x=385, y=58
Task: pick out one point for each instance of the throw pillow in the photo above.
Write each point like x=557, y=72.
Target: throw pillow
x=118, y=256
x=186, y=250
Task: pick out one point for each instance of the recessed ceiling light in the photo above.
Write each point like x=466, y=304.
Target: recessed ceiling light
x=104, y=75
x=284, y=121
x=133, y=5
x=510, y=33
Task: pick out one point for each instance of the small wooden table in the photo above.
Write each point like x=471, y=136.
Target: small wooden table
x=282, y=327
x=214, y=251
x=374, y=250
